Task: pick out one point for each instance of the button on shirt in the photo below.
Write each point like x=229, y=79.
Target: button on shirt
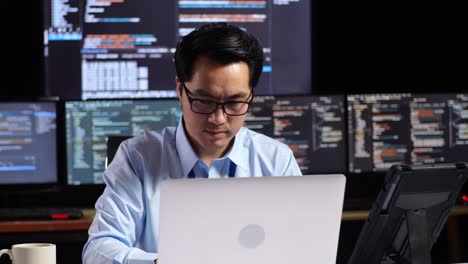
x=125, y=227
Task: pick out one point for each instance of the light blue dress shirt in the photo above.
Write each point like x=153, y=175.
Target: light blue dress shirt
x=125, y=227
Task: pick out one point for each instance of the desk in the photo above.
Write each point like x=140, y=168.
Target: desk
x=69, y=235
x=361, y=215
x=62, y=231
x=84, y=223
x=49, y=225
x=44, y=226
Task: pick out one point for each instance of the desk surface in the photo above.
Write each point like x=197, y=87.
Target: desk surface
x=360, y=215
x=49, y=225
x=83, y=224
x=44, y=225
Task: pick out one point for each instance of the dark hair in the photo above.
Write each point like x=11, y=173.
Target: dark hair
x=222, y=43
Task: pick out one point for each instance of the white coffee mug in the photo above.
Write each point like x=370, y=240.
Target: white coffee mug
x=31, y=253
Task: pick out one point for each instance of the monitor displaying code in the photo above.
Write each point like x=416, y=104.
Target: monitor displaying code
x=387, y=129
x=89, y=123
x=28, y=142
x=312, y=126
x=124, y=49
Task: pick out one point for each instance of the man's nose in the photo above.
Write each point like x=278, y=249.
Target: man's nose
x=218, y=117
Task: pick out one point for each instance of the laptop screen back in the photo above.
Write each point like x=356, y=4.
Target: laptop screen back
x=251, y=220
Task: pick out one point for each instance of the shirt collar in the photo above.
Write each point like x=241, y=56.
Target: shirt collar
x=189, y=158
x=238, y=154
x=187, y=155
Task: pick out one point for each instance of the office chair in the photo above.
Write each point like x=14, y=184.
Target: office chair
x=113, y=143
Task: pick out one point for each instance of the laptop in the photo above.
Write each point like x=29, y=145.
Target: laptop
x=255, y=220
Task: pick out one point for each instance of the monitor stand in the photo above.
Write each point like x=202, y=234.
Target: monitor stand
x=419, y=244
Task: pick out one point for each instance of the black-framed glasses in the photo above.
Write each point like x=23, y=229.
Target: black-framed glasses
x=232, y=108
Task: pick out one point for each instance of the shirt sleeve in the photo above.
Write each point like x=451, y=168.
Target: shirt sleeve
x=120, y=213
x=292, y=168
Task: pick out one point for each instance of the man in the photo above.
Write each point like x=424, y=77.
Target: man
x=218, y=66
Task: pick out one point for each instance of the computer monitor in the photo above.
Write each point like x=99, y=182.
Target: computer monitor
x=89, y=123
x=312, y=126
x=124, y=49
x=28, y=143
x=409, y=213
x=388, y=129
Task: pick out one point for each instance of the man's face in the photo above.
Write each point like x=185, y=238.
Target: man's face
x=211, y=134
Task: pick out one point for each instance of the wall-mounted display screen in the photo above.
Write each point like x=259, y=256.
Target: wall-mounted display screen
x=124, y=49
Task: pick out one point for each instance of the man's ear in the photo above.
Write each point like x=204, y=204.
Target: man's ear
x=178, y=88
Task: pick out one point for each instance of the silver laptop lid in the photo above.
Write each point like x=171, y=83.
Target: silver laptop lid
x=272, y=220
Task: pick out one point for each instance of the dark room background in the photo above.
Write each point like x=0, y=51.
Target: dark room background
x=357, y=47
